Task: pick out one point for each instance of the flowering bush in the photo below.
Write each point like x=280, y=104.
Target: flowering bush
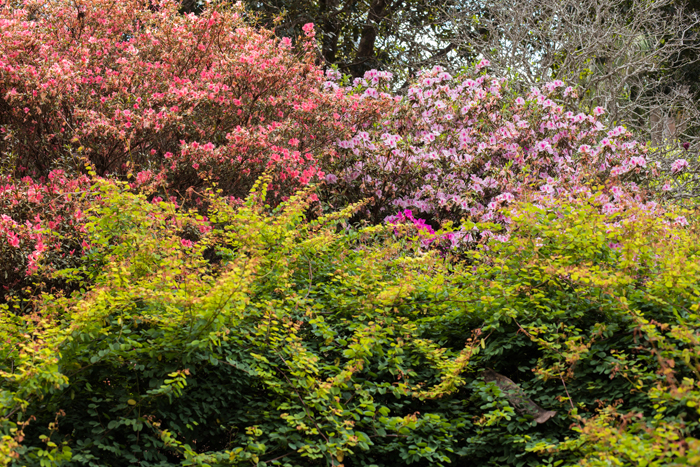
x=41, y=223
x=468, y=146
x=167, y=101
x=181, y=100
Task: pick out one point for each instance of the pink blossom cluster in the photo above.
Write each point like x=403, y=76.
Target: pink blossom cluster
x=41, y=221
x=679, y=165
x=181, y=100
x=426, y=232
x=468, y=146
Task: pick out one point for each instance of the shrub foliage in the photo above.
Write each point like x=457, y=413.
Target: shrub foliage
x=272, y=339
x=214, y=253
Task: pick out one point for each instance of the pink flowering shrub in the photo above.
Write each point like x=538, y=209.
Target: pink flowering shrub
x=465, y=147
x=177, y=100
x=42, y=229
x=172, y=103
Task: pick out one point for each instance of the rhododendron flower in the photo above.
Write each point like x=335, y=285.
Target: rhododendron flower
x=186, y=243
x=678, y=165
x=610, y=208
x=680, y=220
x=143, y=177
x=543, y=146
x=483, y=64
x=598, y=111
x=638, y=161
x=13, y=239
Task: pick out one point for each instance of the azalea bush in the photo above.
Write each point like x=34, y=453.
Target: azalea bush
x=465, y=146
x=268, y=338
x=458, y=275
x=42, y=230
x=176, y=101
x=171, y=103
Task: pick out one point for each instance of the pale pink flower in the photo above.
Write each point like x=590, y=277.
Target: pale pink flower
x=680, y=220
x=678, y=165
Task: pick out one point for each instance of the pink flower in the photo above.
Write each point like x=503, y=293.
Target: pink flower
x=680, y=220
x=40, y=247
x=483, y=64
x=598, y=111
x=610, y=208
x=13, y=239
x=638, y=161
x=679, y=165
x=543, y=146
x=143, y=177
x=186, y=243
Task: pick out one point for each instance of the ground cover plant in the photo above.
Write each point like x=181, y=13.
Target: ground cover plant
x=264, y=263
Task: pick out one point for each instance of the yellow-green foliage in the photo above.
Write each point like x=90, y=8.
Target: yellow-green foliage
x=260, y=337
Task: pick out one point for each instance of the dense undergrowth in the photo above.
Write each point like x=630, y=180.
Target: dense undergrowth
x=212, y=253
x=280, y=340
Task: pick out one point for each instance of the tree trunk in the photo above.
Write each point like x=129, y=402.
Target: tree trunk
x=365, y=51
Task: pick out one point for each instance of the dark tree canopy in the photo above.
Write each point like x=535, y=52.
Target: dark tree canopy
x=357, y=35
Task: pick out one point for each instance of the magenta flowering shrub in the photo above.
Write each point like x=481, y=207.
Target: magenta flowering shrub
x=467, y=146
x=177, y=100
x=42, y=229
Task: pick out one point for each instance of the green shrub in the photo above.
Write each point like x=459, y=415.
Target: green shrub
x=258, y=337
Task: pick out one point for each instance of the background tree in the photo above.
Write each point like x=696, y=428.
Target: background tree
x=401, y=36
